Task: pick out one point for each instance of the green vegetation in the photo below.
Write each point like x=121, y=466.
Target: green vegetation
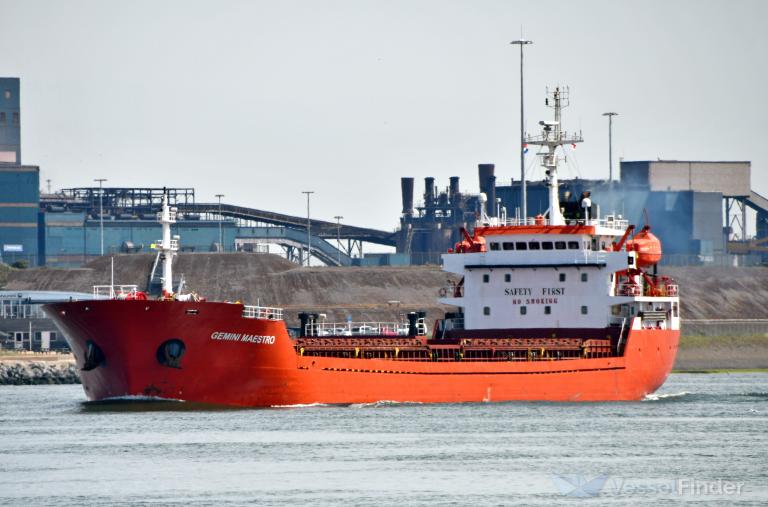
x=688, y=342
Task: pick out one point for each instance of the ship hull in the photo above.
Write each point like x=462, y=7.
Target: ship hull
x=231, y=360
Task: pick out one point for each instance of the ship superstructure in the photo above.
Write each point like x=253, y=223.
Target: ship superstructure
x=553, y=271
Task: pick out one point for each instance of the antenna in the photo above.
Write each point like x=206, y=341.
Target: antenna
x=553, y=136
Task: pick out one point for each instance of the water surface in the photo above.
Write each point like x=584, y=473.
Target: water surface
x=699, y=437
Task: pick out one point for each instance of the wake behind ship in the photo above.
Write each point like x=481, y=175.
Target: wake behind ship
x=557, y=307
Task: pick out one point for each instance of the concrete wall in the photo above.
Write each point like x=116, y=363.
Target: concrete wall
x=728, y=178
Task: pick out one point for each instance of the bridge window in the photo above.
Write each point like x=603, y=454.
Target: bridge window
x=520, y=245
x=547, y=310
x=486, y=310
x=507, y=278
x=494, y=246
x=486, y=278
x=560, y=245
x=584, y=310
x=523, y=310
x=573, y=245
x=534, y=245
x=562, y=277
x=508, y=245
x=546, y=245
x=584, y=277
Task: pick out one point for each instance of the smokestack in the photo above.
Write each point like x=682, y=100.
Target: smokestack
x=429, y=192
x=406, y=185
x=484, y=171
x=488, y=185
x=453, y=191
x=491, y=193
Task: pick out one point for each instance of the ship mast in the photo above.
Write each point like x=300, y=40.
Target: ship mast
x=168, y=245
x=552, y=136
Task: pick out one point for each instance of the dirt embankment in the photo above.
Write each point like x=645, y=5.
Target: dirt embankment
x=721, y=292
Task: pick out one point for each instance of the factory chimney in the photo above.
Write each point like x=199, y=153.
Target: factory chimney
x=429, y=194
x=406, y=185
x=453, y=191
x=488, y=185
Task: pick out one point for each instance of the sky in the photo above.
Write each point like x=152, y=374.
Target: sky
x=261, y=100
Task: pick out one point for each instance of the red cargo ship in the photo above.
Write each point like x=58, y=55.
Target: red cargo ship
x=548, y=308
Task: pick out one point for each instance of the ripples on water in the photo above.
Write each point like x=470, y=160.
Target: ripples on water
x=57, y=450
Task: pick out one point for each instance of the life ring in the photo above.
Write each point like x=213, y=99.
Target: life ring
x=443, y=292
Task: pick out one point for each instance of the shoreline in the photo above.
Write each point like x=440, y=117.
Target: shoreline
x=37, y=368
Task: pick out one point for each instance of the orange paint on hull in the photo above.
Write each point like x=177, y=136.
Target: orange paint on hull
x=254, y=374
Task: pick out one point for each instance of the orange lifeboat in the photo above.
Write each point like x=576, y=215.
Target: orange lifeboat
x=470, y=244
x=647, y=246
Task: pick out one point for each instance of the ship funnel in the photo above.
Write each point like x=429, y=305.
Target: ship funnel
x=406, y=185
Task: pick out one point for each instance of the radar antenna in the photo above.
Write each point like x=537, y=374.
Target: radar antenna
x=552, y=136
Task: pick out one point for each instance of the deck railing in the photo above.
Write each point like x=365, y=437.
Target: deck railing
x=356, y=329
x=608, y=221
x=262, y=312
x=662, y=290
x=451, y=290
x=113, y=291
x=171, y=215
x=174, y=244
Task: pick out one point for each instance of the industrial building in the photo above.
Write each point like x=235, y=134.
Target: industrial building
x=79, y=224
x=19, y=185
x=697, y=209
x=10, y=121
